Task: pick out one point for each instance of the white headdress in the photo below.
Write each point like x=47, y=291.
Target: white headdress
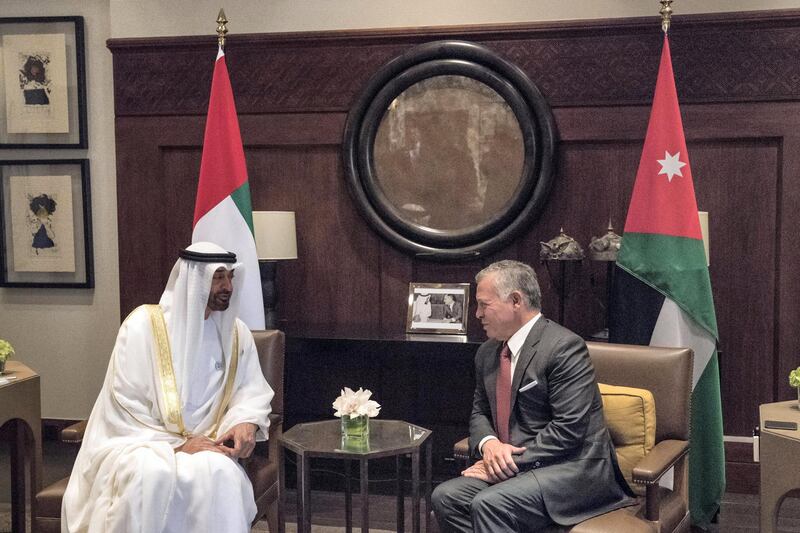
x=184, y=303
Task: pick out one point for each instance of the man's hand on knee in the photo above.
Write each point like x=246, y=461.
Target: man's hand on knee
x=478, y=471
x=244, y=440
x=199, y=443
x=498, y=459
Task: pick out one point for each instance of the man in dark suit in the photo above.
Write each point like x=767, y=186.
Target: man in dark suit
x=543, y=452
x=452, y=309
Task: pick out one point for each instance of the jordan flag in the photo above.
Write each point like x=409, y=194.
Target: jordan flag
x=223, y=213
x=662, y=290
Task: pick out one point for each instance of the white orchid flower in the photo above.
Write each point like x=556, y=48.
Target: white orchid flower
x=356, y=403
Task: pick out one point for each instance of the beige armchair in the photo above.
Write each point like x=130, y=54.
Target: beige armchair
x=261, y=467
x=667, y=373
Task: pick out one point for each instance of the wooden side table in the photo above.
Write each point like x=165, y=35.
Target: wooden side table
x=21, y=422
x=780, y=460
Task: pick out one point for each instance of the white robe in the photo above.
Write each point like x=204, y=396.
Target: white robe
x=127, y=477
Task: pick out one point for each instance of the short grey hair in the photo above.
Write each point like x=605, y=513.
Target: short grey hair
x=513, y=276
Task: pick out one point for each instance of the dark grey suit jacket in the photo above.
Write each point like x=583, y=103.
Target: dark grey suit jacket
x=559, y=421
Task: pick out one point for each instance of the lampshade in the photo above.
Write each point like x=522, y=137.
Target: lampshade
x=275, y=235
x=704, y=230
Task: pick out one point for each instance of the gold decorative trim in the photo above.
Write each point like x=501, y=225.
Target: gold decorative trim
x=166, y=371
x=229, y=382
x=123, y=407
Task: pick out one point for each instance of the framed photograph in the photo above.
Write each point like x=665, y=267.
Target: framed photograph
x=46, y=224
x=438, y=308
x=42, y=83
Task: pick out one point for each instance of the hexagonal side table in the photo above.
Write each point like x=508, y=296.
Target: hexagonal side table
x=387, y=438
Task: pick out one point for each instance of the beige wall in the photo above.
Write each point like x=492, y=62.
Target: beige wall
x=67, y=335
x=143, y=18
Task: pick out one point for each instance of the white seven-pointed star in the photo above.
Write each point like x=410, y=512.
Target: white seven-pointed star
x=671, y=165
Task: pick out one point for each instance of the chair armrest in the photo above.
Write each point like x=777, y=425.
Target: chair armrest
x=660, y=459
x=461, y=449
x=275, y=431
x=267, y=448
x=74, y=433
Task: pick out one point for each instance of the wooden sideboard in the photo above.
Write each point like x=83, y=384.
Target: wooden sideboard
x=427, y=380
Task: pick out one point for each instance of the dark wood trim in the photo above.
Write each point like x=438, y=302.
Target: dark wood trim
x=741, y=472
x=717, y=58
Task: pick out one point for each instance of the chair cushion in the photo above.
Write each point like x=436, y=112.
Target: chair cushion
x=623, y=520
x=48, y=500
x=631, y=419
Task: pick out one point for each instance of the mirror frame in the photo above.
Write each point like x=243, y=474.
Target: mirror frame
x=534, y=117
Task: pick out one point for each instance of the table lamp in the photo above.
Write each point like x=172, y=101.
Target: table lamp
x=276, y=240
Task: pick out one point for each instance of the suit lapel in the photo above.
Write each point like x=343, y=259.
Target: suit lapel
x=525, y=357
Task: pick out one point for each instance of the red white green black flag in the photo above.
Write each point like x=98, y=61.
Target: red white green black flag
x=662, y=292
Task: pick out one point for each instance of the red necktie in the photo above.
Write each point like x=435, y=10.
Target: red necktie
x=503, y=394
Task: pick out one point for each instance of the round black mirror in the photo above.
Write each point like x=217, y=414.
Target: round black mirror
x=449, y=151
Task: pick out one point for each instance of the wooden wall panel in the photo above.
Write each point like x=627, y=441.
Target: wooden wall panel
x=737, y=78
x=336, y=279
x=742, y=230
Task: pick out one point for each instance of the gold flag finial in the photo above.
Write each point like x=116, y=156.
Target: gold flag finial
x=666, y=14
x=221, y=29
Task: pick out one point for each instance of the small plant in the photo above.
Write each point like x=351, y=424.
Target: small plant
x=6, y=350
x=794, y=377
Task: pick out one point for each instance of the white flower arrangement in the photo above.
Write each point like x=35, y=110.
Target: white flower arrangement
x=356, y=403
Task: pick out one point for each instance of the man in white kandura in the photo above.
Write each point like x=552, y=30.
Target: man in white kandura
x=184, y=397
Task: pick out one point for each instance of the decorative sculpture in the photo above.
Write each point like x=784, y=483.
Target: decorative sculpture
x=561, y=248
x=605, y=248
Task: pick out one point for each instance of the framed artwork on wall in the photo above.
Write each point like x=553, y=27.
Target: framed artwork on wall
x=437, y=308
x=42, y=83
x=46, y=224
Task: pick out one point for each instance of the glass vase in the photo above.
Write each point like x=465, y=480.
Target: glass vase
x=355, y=426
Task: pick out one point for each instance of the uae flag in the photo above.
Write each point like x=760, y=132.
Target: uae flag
x=662, y=290
x=223, y=213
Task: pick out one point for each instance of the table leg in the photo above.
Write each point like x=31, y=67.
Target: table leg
x=400, y=496
x=303, y=493
x=35, y=457
x=348, y=497
x=281, y=489
x=428, y=483
x=364, y=496
x=17, y=476
x=415, y=491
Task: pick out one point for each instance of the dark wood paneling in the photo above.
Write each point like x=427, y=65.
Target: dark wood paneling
x=738, y=80
x=741, y=472
x=390, y=368
x=717, y=58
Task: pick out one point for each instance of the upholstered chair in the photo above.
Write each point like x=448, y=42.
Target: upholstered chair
x=261, y=467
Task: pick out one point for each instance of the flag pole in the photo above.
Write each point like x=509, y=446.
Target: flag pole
x=666, y=14
x=221, y=28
